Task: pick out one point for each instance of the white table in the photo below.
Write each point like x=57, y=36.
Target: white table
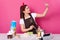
x=3, y=36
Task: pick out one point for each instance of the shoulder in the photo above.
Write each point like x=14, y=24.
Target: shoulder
x=21, y=21
x=33, y=14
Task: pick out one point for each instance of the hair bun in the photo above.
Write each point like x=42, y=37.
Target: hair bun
x=23, y=3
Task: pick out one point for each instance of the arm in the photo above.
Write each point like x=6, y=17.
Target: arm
x=24, y=29
x=44, y=13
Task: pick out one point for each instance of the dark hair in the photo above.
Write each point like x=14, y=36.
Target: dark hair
x=22, y=8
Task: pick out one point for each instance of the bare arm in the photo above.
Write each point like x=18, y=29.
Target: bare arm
x=44, y=13
x=24, y=29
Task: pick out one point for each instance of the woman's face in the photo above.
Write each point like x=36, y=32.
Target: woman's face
x=27, y=10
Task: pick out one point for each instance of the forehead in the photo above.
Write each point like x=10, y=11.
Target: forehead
x=27, y=7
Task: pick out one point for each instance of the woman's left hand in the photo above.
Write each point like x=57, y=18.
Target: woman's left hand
x=38, y=28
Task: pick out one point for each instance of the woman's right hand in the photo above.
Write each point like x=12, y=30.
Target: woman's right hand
x=31, y=27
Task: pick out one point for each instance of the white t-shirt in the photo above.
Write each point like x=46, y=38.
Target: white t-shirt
x=33, y=15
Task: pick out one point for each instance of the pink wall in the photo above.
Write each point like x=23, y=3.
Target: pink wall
x=9, y=10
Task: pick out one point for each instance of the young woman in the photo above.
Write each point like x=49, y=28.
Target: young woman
x=27, y=19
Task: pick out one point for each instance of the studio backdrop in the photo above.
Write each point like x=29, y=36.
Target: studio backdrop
x=10, y=10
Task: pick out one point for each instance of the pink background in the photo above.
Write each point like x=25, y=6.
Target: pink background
x=10, y=10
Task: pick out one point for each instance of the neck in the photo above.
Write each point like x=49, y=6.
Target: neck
x=26, y=14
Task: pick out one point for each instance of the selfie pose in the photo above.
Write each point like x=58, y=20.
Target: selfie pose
x=27, y=19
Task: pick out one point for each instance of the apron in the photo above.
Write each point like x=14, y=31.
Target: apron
x=30, y=21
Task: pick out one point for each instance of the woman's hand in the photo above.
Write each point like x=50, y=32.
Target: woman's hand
x=38, y=29
x=46, y=4
x=31, y=27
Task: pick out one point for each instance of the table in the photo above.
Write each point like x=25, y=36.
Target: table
x=3, y=36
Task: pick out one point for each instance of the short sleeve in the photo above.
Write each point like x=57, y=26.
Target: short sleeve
x=33, y=15
x=21, y=21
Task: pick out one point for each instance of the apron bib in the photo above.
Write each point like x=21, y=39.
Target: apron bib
x=30, y=21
